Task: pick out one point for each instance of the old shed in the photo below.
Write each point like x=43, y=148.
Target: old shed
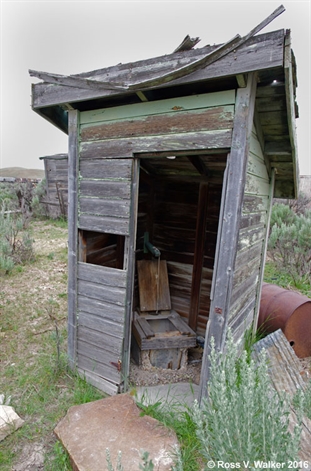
x=56, y=184
x=189, y=148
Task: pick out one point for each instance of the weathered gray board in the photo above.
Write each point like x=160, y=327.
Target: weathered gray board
x=286, y=375
x=229, y=226
x=56, y=180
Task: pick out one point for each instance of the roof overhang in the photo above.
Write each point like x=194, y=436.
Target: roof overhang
x=195, y=71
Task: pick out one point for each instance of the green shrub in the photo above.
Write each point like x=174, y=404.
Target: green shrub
x=39, y=209
x=15, y=241
x=289, y=242
x=243, y=419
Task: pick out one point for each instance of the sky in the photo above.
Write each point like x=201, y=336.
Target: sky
x=69, y=37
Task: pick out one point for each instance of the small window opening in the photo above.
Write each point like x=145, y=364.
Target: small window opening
x=102, y=249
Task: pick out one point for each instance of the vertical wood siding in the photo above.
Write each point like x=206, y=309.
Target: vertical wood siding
x=252, y=235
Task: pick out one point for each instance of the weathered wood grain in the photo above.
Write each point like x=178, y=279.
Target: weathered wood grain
x=93, y=359
x=105, y=189
x=158, y=107
x=99, y=382
x=250, y=282
x=109, y=225
x=154, y=293
x=102, y=275
x=73, y=117
x=101, y=310
x=198, y=258
x=112, y=295
x=129, y=266
x=108, y=337
x=261, y=52
x=191, y=141
x=229, y=237
x=105, y=207
x=177, y=122
x=105, y=169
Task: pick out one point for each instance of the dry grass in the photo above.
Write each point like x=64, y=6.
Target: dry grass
x=20, y=172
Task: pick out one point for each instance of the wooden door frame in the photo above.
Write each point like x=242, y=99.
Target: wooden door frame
x=227, y=239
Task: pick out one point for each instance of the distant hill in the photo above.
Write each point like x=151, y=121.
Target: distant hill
x=20, y=172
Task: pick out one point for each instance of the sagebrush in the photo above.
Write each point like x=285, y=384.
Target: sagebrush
x=289, y=242
x=244, y=418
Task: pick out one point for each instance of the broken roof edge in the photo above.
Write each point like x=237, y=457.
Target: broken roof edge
x=188, y=61
x=63, y=90
x=209, y=58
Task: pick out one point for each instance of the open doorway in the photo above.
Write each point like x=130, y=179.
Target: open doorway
x=178, y=208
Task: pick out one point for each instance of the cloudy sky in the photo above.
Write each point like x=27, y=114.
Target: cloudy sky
x=68, y=37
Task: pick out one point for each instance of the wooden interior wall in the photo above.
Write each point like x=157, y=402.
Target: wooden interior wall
x=252, y=235
x=101, y=249
x=174, y=234
x=169, y=209
x=213, y=202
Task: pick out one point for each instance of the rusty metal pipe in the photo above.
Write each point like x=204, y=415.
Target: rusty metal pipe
x=289, y=311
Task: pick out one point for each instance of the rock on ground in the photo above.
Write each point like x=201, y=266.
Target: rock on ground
x=114, y=423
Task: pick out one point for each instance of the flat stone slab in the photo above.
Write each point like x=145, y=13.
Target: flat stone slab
x=177, y=395
x=115, y=423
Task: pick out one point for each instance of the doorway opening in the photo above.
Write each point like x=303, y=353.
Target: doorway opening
x=178, y=207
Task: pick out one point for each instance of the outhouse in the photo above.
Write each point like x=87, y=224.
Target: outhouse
x=56, y=184
x=184, y=152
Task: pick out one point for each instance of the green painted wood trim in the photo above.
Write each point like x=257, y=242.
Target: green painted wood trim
x=206, y=100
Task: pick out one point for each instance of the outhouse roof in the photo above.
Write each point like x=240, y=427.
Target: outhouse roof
x=195, y=71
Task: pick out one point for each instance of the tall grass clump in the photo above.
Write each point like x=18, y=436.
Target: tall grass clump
x=244, y=418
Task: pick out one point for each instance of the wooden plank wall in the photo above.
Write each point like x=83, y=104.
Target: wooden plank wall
x=183, y=123
x=101, y=308
x=251, y=241
x=213, y=202
x=56, y=175
x=174, y=233
x=105, y=195
x=104, y=202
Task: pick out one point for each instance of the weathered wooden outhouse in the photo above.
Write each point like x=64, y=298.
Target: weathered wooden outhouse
x=189, y=148
x=56, y=184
